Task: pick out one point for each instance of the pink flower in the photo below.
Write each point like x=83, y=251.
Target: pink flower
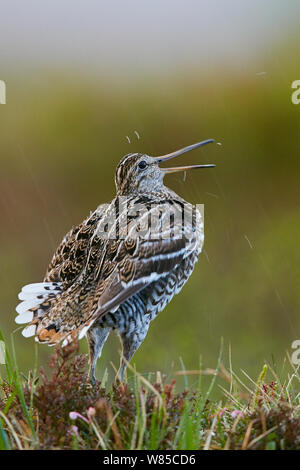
x=73, y=431
x=91, y=412
x=236, y=413
x=222, y=411
x=74, y=415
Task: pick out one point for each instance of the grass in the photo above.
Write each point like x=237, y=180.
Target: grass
x=62, y=411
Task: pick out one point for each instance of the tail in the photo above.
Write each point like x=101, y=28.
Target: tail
x=39, y=301
x=36, y=301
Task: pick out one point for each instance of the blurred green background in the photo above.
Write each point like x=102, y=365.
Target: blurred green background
x=63, y=131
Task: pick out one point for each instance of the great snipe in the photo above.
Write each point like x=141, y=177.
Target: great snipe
x=121, y=266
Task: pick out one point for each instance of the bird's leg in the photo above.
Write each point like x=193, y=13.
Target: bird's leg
x=130, y=343
x=96, y=338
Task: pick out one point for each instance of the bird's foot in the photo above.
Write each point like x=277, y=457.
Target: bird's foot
x=91, y=381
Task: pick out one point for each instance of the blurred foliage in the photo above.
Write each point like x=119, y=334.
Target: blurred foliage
x=62, y=135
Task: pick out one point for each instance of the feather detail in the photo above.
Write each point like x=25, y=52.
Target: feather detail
x=25, y=317
x=34, y=295
x=29, y=331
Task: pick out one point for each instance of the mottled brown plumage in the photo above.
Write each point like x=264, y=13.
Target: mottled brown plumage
x=120, y=266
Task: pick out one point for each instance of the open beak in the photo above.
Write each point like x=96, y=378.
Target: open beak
x=164, y=158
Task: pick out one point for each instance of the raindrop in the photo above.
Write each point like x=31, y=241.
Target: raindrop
x=250, y=244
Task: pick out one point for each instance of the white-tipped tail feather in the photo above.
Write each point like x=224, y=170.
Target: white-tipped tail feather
x=26, y=305
x=32, y=309
x=42, y=287
x=32, y=296
x=25, y=317
x=29, y=331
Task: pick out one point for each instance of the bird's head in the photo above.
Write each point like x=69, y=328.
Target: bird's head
x=141, y=174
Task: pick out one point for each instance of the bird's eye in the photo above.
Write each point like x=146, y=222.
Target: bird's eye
x=142, y=165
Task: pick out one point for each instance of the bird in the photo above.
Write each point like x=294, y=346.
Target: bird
x=121, y=266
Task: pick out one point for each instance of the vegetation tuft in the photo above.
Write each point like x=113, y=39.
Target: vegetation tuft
x=62, y=411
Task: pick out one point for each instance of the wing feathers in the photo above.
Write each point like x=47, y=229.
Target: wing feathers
x=92, y=276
